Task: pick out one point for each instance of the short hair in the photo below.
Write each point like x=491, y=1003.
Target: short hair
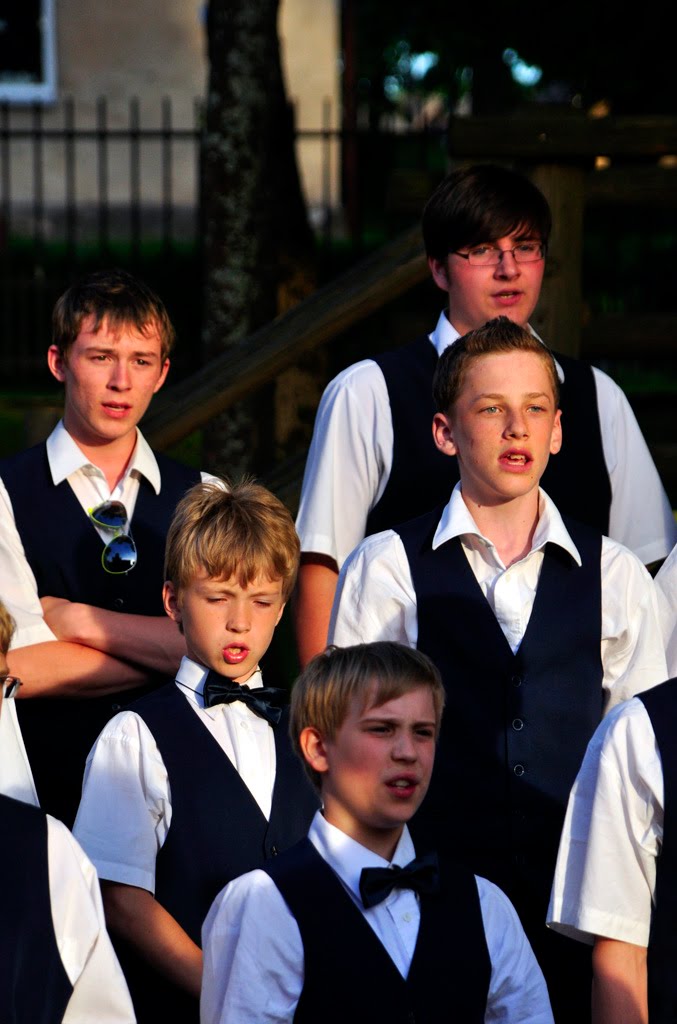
x=7, y=627
x=241, y=530
x=496, y=336
x=479, y=204
x=322, y=694
x=115, y=296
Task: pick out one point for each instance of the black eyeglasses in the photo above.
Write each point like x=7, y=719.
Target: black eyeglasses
x=119, y=555
x=491, y=255
x=10, y=684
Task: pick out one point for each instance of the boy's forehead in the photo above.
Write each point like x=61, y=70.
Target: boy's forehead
x=526, y=365
x=261, y=581
x=115, y=331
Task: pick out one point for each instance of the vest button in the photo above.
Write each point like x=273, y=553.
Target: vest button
x=517, y=724
x=273, y=851
x=516, y=680
x=115, y=707
x=118, y=602
x=519, y=770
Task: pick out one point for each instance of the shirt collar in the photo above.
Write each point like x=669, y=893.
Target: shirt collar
x=65, y=458
x=456, y=520
x=346, y=857
x=191, y=679
x=445, y=334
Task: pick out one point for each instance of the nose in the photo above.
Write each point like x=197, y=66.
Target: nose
x=507, y=267
x=238, y=620
x=120, y=379
x=404, y=747
x=516, y=425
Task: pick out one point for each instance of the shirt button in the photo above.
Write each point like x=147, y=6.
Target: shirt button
x=517, y=724
x=519, y=770
x=406, y=917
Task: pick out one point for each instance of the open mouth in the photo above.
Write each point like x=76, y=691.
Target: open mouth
x=233, y=654
x=516, y=459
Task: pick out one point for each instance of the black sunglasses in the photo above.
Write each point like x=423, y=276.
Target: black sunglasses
x=119, y=555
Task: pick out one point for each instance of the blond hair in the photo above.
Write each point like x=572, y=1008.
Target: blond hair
x=7, y=627
x=241, y=530
x=376, y=672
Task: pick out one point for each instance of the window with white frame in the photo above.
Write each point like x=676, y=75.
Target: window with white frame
x=27, y=51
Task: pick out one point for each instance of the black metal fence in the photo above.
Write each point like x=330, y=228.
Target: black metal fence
x=85, y=185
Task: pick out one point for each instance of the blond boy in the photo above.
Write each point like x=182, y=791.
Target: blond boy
x=198, y=782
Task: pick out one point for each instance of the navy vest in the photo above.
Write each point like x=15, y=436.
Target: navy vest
x=421, y=477
x=63, y=549
x=34, y=986
x=348, y=975
x=217, y=830
x=516, y=726
x=514, y=731
x=661, y=705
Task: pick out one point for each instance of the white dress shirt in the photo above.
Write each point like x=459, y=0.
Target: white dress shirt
x=18, y=588
x=666, y=586
x=606, y=867
x=375, y=597
x=351, y=454
x=253, y=952
x=100, y=992
x=126, y=806
x=16, y=777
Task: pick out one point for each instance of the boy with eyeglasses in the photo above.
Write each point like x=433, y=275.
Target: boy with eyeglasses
x=372, y=462
x=57, y=965
x=538, y=624
x=196, y=783
x=89, y=640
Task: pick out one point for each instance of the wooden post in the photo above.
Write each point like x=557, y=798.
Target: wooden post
x=559, y=314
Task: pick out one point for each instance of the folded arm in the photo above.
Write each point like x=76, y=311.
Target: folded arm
x=59, y=669
x=151, y=642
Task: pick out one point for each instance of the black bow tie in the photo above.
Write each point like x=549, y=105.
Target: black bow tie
x=265, y=701
x=422, y=875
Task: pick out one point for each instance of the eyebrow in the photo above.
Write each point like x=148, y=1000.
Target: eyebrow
x=485, y=395
x=110, y=349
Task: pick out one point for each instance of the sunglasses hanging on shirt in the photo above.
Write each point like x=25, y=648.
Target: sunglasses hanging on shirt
x=119, y=555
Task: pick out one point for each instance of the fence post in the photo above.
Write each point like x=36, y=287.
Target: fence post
x=559, y=314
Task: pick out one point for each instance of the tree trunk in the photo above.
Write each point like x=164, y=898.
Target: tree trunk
x=258, y=246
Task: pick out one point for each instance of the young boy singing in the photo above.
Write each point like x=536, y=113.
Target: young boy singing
x=348, y=925
x=198, y=783
x=537, y=623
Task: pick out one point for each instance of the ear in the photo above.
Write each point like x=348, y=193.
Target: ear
x=443, y=434
x=56, y=363
x=556, y=436
x=314, y=749
x=170, y=599
x=440, y=272
x=163, y=374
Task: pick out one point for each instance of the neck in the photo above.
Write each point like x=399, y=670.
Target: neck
x=111, y=457
x=381, y=841
x=510, y=526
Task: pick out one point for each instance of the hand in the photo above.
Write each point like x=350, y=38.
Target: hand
x=63, y=617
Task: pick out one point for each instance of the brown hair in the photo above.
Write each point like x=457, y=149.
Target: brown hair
x=384, y=670
x=497, y=335
x=241, y=530
x=480, y=204
x=114, y=296
x=7, y=627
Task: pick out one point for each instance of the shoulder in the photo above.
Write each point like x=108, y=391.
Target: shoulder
x=620, y=563
x=246, y=901
x=379, y=547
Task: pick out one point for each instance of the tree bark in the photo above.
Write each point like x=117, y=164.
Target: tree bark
x=258, y=245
